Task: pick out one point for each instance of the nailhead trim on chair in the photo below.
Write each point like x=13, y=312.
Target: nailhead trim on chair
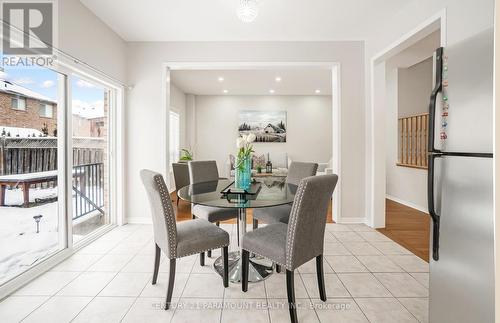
x=293, y=224
x=169, y=214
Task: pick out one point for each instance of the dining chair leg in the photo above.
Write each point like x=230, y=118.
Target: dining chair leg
x=202, y=259
x=171, y=279
x=245, y=257
x=290, y=289
x=209, y=252
x=238, y=230
x=178, y=201
x=255, y=224
x=157, y=264
x=193, y=216
x=321, y=277
x=278, y=268
x=225, y=257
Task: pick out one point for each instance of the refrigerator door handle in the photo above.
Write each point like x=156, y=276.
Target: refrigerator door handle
x=432, y=209
x=433, y=100
x=434, y=152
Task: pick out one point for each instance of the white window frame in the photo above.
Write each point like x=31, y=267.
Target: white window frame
x=66, y=68
x=112, y=162
x=43, y=107
x=18, y=99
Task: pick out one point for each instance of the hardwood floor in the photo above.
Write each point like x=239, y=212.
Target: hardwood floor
x=408, y=227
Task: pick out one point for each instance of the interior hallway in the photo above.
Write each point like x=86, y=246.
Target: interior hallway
x=408, y=227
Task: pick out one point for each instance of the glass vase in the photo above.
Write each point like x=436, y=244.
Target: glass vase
x=243, y=172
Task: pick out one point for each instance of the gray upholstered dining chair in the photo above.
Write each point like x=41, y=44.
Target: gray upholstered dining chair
x=281, y=213
x=182, y=239
x=181, y=177
x=293, y=244
x=206, y=171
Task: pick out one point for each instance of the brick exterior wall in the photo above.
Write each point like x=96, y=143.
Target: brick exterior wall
x=29, y=118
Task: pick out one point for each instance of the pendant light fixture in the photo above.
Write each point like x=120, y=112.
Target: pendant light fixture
x=248, y=10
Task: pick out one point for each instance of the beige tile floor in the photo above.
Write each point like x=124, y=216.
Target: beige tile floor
x=368, y=278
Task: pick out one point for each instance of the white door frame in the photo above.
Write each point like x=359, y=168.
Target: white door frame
x=375, y=178
x=335, y=68
x=66, y=68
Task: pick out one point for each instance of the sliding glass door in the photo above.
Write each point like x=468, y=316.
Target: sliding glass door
x=90, y=112
x=55, y=164
x=32, y=150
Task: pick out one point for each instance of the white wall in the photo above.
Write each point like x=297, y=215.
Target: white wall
x=84, y=36
x=145, y=113
x=309, y=126
x=178, y=104
x=414, y=88
x=407, y=93
x=190, y=132
x=463, y=19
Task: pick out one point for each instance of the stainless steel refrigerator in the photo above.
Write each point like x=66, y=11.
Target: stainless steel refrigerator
x=460, y=183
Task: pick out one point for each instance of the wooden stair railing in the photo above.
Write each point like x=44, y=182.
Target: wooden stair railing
x=412, y=141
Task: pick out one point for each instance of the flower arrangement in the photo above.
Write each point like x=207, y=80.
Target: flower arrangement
x=243, y=161
x=245, y=149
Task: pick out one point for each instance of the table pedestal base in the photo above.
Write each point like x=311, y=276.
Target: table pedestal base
x=258, y=268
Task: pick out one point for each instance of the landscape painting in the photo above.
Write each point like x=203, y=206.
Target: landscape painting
x=268, y=126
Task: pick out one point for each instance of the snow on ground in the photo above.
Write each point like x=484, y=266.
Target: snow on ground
x=20, y=245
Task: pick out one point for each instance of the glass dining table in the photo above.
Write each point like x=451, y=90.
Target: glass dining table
x=273, y=191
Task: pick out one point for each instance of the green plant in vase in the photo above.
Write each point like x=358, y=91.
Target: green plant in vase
x=186, y=155
x=243, y=161
x=259, y=169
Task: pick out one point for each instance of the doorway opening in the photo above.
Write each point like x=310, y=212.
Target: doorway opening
x=209, y=100
x=403, y=80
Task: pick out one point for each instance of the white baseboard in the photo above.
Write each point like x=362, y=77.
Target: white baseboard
x=350, y=220
x=409, y=204
x=139, y=220
x=147, y=220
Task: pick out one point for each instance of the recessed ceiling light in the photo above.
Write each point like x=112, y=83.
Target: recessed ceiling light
x=271, y=91
x=220, y=79
x=225, y=91
x=248, y=10
x=317, y=91
x=278, y=79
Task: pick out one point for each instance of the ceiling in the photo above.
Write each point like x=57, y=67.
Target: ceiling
x=254, y=82
x=216, y=20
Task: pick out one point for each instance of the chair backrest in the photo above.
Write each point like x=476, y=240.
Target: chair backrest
x=162, y=211
x=203, y=171
x=299, y=170
x=181, y=175
x=306, y=226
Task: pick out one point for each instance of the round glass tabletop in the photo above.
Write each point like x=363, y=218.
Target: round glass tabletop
x=272, y=192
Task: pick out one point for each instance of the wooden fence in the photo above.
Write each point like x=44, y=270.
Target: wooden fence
x=412, y=141
x=29, y=155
